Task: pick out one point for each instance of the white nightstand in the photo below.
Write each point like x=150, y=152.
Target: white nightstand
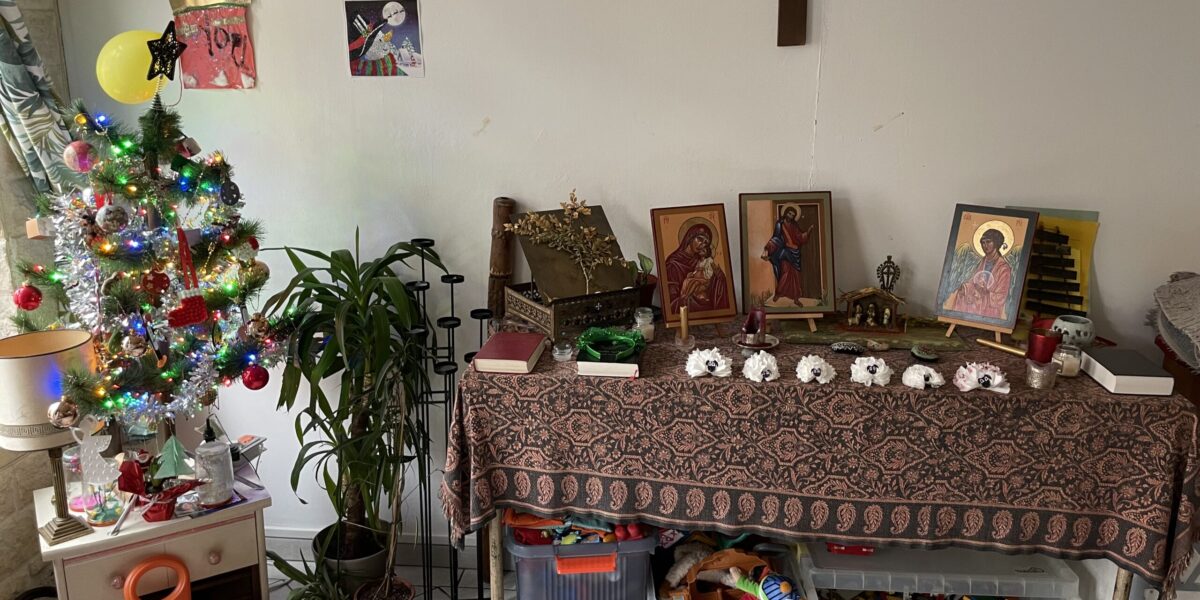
x=93, y=567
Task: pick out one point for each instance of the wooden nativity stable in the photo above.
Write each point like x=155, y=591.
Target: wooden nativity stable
x=872, y=309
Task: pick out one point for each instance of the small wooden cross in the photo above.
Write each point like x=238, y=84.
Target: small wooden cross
x=793, y=22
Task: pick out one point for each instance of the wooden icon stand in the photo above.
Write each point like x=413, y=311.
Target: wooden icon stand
x=693, y=322
x=999, y=331
x=811, y=317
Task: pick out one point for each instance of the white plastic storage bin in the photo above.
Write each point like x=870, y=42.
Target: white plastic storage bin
x=616, y=571
x=948, y=571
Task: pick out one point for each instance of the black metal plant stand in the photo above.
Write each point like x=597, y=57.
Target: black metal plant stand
x=440, y=359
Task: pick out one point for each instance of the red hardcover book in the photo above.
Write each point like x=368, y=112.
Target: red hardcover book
x=510, y=352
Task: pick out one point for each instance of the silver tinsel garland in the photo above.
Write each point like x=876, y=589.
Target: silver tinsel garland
x=185, y=402
x=81, y=273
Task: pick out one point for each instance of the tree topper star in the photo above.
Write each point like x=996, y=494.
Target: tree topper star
x=164, y=52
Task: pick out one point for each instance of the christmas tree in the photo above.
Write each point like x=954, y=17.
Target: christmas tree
x=153, y=257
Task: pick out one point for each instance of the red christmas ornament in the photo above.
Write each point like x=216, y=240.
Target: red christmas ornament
x=255, y=377
x=27, y=297
x=253, y=241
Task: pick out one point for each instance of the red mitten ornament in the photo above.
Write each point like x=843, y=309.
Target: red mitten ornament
x=191, y=310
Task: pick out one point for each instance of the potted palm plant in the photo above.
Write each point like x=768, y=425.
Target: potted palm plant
x=644, y=278
x=355, y=324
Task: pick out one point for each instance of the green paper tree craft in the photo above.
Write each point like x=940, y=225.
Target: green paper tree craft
x=172, y=461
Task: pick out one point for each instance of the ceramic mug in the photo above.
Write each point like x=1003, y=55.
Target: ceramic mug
x=1077, y=331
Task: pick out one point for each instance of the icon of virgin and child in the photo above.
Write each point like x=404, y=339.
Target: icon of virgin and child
x=693, y=278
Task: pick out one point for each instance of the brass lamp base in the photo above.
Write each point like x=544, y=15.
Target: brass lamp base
x=63, y=526
x=61, y=529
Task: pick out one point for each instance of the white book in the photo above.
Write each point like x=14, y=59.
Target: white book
x=1124, y=371
x=607, y=369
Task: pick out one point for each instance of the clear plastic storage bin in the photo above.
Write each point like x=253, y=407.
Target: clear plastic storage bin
x=948, y=571
x=617, y=571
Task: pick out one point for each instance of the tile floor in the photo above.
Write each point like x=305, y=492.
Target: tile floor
x=466, y=589
x=290, y=549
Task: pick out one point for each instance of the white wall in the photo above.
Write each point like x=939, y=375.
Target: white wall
x=901, y=108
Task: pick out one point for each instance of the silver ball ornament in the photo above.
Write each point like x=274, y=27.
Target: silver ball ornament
x=112, y=218
x=135, y=346
x=63, y=414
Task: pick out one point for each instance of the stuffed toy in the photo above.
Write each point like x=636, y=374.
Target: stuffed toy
x=985, y=376
x=767, y=586
x=686, y=556
x=707, y=362
x=814, y=368
x=869, y=371
x=921, y=377
x=761, y=367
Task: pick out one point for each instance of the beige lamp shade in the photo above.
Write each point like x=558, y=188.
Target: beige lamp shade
x=33, y=367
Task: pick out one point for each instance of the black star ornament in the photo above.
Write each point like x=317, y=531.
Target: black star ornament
x=164, y=52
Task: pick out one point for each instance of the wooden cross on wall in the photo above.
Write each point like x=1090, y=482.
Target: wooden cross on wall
x=793, y=22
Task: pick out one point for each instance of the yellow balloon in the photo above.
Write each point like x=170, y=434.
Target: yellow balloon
x=122, y=65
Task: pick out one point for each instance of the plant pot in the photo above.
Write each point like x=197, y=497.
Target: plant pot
x=352, y=573
x=401, y=590
x=646, y=293
x=1077, y=331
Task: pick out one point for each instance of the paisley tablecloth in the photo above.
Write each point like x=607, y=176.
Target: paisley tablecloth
x=1073, y=471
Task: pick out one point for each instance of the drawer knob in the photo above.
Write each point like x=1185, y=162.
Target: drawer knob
x=214, y=558
x=118, y=582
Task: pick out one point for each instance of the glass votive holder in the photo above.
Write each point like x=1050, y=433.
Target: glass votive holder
x=1039, y=375
x=1069, y=358
x=643, y=321
x=105, y=504
x=563, y=351
x=77, y=500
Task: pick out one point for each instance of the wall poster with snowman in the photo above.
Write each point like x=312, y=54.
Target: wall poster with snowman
x=384, y=38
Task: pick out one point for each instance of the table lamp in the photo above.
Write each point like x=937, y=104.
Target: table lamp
x=33, y=367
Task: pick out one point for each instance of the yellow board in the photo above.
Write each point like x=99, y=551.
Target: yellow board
x=1082, y=241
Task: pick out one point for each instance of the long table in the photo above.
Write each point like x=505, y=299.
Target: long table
x=1073, y=471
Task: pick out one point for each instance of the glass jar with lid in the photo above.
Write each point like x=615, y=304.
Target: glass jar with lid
x=77, y=500
x=103, y=507
x=1068, y=357
x=643, y=321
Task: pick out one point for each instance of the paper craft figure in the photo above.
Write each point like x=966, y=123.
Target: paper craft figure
x=96, y=469
x=172, y=461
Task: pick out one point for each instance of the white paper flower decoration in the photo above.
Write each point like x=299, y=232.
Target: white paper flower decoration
x=814, y=368
x=921, y=377
x=708, y=362
x=761, y=367
x=869, y=370
x=981, y=376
